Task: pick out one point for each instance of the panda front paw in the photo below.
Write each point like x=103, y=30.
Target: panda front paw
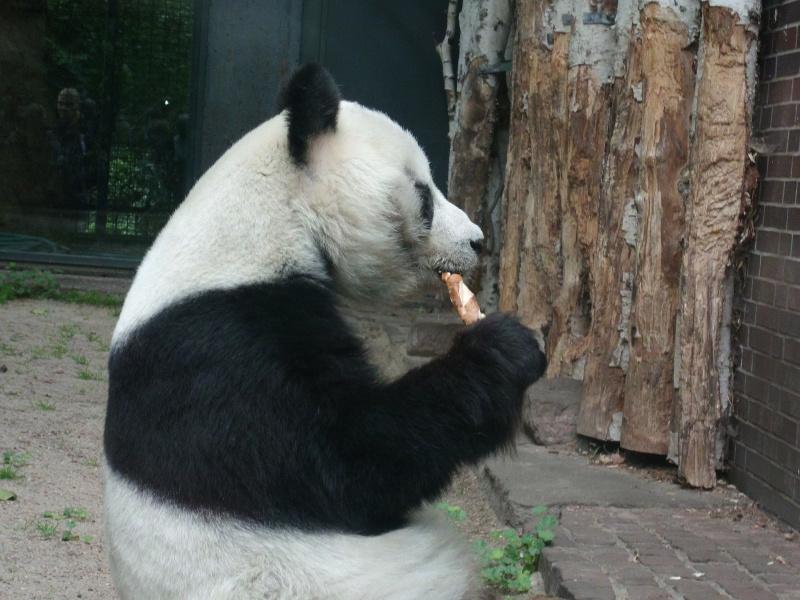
x=501, y=341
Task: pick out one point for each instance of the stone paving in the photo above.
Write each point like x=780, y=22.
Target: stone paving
x=649, y=554
x=622, y=536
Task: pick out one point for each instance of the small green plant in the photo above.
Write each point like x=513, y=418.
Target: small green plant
x=80, y=360
x=68, y=331
x=47, y=529
x=26, y=284
x=8, y=472
x=16, y=284
x=87, y=375
x=75, y=512
x=69, y=517
x=510, y=565
x=451, y=510
x=17, y=459
x=44, y=406
x=11, y=462
x=68, y=535
x=99, y=343
x=7, y=349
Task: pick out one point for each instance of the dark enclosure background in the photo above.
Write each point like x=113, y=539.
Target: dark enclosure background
x=111, y=109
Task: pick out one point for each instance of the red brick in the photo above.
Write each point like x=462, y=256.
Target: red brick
x=772, y=267
x=792, y=144
x=793, y=219
x=790, y=404
x=774, y=216
x=785, y=245
x=788, y=65
x=793, y=298
x=796, y=246
x=750, y=436
x=792, y=272
x=780, y=166
x=792, y=351
x=780, y=296
x=758, y=413
x=784, y=14
x=771, y=473
x=788, y=376
x=790, y=192
x=796, y=89
x=760, y=340
x=780, y=91
x=769, y=242
x=784, y=40
x=767, y=317
x=746, y=360
x=783, y=115
x=765, y=367
x=771, y=191
x=750, y=312
x=781, y=453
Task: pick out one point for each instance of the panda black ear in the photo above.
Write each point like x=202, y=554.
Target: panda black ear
x=311, y=99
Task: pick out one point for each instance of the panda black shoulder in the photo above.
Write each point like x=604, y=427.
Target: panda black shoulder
x=311, y=99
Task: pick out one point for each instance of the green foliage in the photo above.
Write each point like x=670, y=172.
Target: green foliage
x=69, y=518
x=44, y=406
x=454, y=512
x=509, y=564
x=26, y=284
x=47, y=529
x=11, y=462
x=17, y=284
x=87, y=375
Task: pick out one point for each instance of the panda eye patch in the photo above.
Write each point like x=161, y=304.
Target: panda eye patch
x=426, y=210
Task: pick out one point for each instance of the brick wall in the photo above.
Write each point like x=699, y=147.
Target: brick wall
x=766, y=451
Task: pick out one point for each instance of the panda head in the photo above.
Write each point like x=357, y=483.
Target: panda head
x=365, y=191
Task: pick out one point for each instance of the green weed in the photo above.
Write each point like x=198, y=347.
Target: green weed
x=509, y=564
x=47, y=529
x=454, y=512
x=16, y=284
x=87, y=375
x=80, y=360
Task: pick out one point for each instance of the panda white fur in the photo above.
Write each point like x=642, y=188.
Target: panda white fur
x=251, y=450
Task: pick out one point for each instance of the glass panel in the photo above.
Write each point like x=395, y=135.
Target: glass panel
x=94, y=136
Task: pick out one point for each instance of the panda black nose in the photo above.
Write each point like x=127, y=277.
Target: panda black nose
x=476, y=245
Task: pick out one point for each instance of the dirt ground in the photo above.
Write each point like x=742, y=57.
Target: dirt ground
x=53, y=386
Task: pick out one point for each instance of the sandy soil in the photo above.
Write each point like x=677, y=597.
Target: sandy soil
x=52, y=400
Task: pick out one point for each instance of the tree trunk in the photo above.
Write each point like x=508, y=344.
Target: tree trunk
x=484, y=28
x=611, y=269
x=535, y=178
x=722, y=181
x=668, y=84
x=626, y=179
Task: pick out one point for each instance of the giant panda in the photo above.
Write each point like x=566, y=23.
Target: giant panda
x=251, y=450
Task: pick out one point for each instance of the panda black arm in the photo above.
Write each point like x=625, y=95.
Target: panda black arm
x=403, y=442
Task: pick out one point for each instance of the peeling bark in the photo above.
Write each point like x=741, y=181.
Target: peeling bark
x=620, y=219
x=721, y=185
x=535, y=178
x=668, y=84
x=587, y=131
x=612, y=263
x=484, y=33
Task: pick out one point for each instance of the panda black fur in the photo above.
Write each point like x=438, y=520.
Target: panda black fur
x=252, y=451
